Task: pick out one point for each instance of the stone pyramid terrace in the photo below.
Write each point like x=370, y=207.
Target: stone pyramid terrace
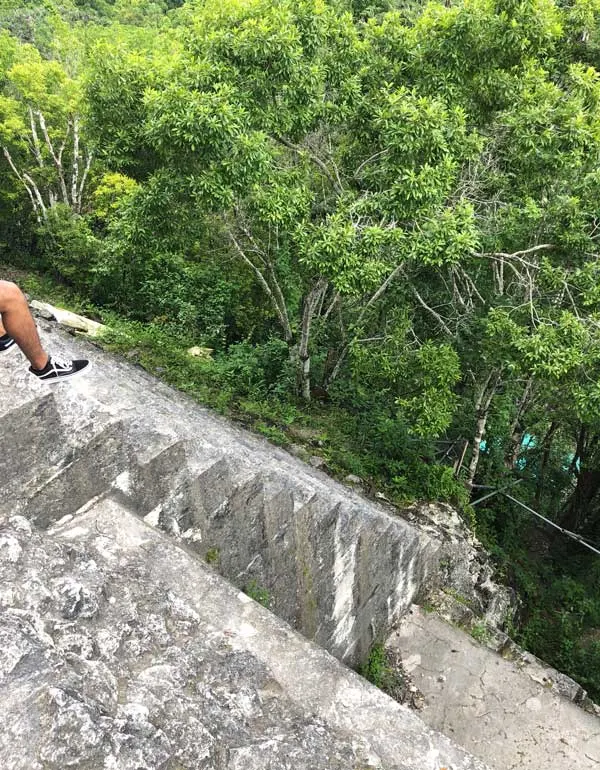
x=122, y=649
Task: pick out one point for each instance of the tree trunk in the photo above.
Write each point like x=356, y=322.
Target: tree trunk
x=312, y=300
x=579, y=509
x=547, y=447
x=516, y=432
x=265, y=274
x=44, y=198
x=482, y=408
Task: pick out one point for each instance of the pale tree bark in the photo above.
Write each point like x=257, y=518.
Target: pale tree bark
x=32, y=191
x=483, y=401
x=70, y=177
x=84, y=176
x=39, y=202
x=259, y=261
x=37, y=150
x=56, y=158
x=313, y=299
x=75, y=170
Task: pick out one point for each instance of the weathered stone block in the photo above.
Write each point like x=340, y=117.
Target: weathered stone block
x=139, y=658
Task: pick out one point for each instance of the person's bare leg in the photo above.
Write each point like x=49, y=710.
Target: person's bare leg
x=2, y=329
x=18, y=322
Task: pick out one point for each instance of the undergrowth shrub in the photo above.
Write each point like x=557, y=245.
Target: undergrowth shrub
x=68, y=248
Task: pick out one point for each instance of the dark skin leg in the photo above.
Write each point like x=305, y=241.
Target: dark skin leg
x=18, y=322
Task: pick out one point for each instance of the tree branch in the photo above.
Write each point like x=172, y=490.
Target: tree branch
x=368, y=160
x=344, y=352
x=37, y=194
x=55, y=158
x=75, y=172
x=281, y=312
x=482, y=407
x=332, y=304
x=335, y=182
x=84, y=177
x=37, y=150
x=430, y=310
x=25, y=184
x=506, y=255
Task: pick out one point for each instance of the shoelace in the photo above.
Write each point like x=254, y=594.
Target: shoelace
x=61, y=363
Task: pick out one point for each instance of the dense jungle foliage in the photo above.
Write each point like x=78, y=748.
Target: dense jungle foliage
x=377, y=218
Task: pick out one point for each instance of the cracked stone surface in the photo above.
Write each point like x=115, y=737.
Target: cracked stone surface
x=119, y=650
x=501, y=711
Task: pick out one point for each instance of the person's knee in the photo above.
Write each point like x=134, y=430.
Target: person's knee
x=10, y=294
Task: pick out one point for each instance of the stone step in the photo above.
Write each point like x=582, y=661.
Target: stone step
x=32, y=439
x=90, y=472
x=45, y=446
x=157, y=469
x=507, y=710
x=118, y=649
x=201, y=491
x=158, y=463
x=337, y=566
x=339, y=578
x=356, y=578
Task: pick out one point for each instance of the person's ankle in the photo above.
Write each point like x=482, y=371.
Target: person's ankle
x=40, y=362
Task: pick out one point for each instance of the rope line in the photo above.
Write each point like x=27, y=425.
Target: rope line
x=568, y=533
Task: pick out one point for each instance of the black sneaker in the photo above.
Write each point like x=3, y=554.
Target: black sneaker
x=56, y=369
x=6, y=342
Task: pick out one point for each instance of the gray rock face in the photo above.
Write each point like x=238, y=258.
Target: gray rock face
x=463, y=589
x=68, y=320
x=337, y=567
x=119, y=650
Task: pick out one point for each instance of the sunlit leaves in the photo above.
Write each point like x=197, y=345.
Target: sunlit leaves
x=435, y=370
x=110, y=192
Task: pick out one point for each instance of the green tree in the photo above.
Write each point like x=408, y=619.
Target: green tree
x=40, y=129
